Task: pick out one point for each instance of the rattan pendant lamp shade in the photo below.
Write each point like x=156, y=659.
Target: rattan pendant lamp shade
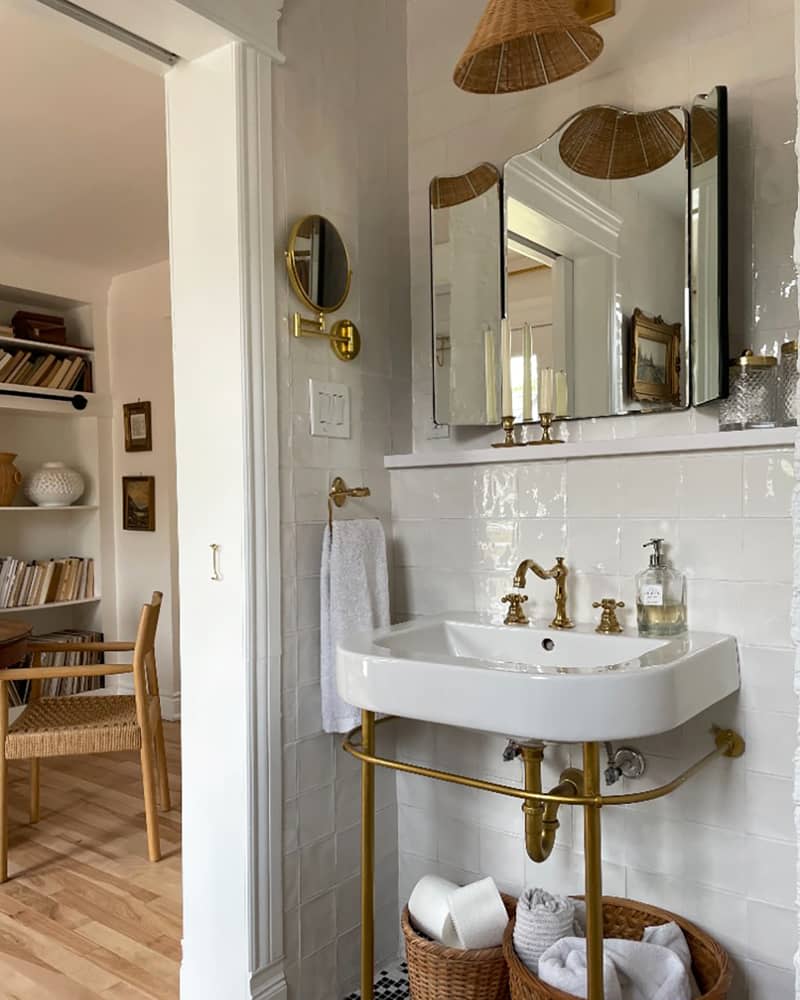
x=612, y=144
x=521, y=44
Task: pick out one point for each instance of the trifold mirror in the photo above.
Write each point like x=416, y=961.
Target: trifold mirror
x=600, y=254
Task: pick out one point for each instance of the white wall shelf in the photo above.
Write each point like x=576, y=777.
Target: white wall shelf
x=47, y=510
x=774, y=437
x=26, y=609
x=41, y=347
x=97, y=405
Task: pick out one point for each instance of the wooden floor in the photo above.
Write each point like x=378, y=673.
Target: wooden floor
x=84, y=914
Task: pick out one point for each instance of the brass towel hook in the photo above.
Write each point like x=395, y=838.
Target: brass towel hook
x=340, y=493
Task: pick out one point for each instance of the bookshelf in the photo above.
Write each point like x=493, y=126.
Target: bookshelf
x=39, y=429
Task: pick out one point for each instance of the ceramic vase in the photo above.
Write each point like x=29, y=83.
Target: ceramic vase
x=54, y=485
x=10, y=478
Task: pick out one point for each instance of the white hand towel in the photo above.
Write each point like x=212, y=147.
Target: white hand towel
x=354, y=597
x=479, y=914
x=632, y=970
x=542, y=919
x=672, y=937
x=429, y=909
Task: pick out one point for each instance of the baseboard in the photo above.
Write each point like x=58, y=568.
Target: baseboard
x=269, y=984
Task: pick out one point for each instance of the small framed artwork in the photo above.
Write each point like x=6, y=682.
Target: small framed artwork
x=138, y=432
x=139, y=503
x=655, y=359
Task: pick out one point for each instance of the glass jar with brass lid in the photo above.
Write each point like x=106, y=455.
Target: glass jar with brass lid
x=787, y=405
x=753, y=394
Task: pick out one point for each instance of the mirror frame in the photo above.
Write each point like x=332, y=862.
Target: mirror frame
x=294, y=277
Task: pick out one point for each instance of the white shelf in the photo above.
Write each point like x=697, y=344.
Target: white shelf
x=47, y=607
x=84, y=352
x=97, y=405
x=774, y=437
x=52, y=510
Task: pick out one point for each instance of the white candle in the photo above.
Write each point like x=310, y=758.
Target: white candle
x=505, y=335
x=547, y=386
x=527, y=361
x=562, y=394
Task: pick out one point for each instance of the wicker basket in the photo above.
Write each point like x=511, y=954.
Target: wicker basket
x=439, y=973
x=624, y=918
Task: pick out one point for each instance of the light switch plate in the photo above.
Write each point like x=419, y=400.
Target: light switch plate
x=330, y=409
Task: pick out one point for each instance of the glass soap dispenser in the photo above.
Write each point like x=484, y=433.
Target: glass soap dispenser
x=660, y=595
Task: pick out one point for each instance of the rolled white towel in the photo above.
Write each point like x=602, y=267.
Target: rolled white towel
x=542, y=919
x=479, y=914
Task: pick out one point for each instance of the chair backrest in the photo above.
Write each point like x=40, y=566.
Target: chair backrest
x=144, y=650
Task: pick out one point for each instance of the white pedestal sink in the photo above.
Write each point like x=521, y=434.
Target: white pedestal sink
x=536, y=683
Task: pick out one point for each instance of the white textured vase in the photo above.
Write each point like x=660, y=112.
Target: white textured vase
x=54, y=485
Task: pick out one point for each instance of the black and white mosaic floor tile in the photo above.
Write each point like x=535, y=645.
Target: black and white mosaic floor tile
x=391, y=984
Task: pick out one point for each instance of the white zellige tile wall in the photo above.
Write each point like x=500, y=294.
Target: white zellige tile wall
x=341, y=140
x=722, y=849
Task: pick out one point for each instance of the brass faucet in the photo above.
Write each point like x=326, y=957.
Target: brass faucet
x=558, y=573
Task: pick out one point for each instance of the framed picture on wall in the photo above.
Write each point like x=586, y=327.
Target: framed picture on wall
x=139, y=503
x=138, y=430
x=655, y=359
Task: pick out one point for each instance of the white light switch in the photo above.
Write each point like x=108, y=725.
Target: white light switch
x=330, y=409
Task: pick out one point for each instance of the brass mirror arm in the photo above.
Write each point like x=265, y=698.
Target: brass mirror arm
x=728, y=744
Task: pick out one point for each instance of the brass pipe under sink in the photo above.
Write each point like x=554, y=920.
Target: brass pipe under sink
x=541, y=818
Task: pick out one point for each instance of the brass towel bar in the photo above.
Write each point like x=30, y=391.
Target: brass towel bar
x=340, y=493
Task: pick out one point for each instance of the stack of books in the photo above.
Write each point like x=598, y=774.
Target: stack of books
x=45, y=581
x=20, y=690
x=48, y=371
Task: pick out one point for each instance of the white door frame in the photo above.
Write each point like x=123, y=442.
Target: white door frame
x=245, y=847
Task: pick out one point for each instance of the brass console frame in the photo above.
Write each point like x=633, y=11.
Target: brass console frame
x=727, y=743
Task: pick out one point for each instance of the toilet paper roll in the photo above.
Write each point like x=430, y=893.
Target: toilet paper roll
x=479, y=914
x=429, y=909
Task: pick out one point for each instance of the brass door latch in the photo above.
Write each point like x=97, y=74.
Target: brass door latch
x=516, y=614
x=609, y=625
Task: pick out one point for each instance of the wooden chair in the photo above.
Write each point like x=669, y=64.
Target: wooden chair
x=81, y=724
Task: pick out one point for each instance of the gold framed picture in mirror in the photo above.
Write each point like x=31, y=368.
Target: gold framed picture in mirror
x=318, y=264
x=655, y=359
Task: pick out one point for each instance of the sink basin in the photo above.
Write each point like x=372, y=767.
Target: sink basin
x=529, y=682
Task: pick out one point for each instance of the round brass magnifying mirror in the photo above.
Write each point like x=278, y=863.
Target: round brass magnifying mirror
x=318, y=264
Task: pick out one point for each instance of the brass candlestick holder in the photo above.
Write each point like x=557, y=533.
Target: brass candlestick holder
x=510, y=440
x=547, y=422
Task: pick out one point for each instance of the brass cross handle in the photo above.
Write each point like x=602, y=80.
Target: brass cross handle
x=609, y=625
x=516, y=615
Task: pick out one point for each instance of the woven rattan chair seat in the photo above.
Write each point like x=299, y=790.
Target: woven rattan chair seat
x=56, y=727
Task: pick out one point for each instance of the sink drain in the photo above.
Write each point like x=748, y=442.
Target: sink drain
x=548, y=644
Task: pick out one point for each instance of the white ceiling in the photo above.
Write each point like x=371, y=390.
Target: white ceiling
x=83, y=172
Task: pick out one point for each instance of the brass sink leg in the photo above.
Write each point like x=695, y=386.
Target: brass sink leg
x=593, y=873
x=541, y=818
x=367, y=858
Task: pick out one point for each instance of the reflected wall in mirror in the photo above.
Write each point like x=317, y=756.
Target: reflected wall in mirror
x=318, y=264
x=466, y=257
x=595, y=234
x=596, y=231
x=708, y=172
